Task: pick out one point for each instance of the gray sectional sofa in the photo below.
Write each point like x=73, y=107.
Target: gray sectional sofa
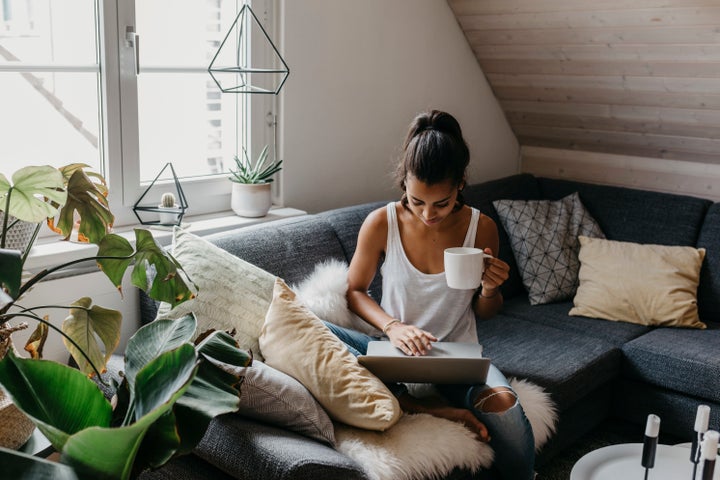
x=594, y=369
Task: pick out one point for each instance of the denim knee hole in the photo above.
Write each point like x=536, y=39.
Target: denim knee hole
x=495, y=400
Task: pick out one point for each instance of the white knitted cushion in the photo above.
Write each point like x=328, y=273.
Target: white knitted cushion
x=232, y=293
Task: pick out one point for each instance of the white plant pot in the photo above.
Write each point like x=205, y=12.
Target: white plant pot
x=170, y=217
x=251, y=200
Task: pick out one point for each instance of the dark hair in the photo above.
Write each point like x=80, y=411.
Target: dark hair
x=434, y=151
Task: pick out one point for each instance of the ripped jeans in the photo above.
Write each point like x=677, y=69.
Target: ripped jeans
x=511, y=435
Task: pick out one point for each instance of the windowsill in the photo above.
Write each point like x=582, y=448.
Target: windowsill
x=53, y=251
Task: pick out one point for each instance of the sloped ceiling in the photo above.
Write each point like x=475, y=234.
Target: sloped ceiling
x=627, y=77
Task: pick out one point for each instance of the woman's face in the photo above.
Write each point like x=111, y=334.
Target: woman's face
x=430, y=203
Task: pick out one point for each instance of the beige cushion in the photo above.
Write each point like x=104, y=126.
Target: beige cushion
x=296, y=342
x=232, y=293
x=654, y=285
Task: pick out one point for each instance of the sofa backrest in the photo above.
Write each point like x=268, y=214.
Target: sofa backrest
x=481, y=196
x=346, y=222
x=639, y=216
x=289, y=248
x=709, y=290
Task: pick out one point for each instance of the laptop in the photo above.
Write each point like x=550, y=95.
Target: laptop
x=446, y=362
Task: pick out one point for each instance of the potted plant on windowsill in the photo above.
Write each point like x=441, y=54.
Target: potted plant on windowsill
x=168, y=209
x=251, y=184
x=171, y=387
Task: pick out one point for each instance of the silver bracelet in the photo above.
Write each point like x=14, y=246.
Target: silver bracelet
x=389, y=324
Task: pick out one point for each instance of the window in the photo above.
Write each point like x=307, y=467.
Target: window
x=49, y=84
x=122, y=85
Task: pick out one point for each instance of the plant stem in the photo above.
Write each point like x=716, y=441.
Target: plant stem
x=44, y=273
x=5, y=218
x=67, y=307
x=30, y=243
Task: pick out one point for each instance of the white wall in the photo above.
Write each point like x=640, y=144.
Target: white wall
x=359, y=72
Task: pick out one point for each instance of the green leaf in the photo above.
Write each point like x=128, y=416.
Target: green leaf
x=161, y=441
x=115, y=246
x=101, y=453
x=257, y=172
x=60, y=400
x=158, y=381
x=68, y=171
x=35, y=193
x=222, y=347
x=84, y=326
x=10, y=273
x=211, y=393
x=22, y=466
x=157, y=272
x=153, y=339
x=214, y=391
x=89, y=200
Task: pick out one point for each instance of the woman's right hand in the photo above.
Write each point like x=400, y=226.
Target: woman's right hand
x=409, y=339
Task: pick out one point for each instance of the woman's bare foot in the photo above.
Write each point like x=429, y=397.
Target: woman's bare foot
x=438, y=407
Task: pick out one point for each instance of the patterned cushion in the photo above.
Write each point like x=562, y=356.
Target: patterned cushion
x=273, y=397
x=543, y=236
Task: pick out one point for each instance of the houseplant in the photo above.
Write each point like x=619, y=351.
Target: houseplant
x=171, y=388
x=168, y=209
x=251, y=187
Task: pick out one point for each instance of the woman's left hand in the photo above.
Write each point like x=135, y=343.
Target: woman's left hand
x=496, y=272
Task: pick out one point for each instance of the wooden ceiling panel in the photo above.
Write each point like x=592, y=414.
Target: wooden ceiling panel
x=634, y=78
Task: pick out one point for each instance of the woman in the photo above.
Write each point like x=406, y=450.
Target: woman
x=417, y=307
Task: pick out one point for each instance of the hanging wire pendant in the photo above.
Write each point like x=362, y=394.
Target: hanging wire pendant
x=240, y=76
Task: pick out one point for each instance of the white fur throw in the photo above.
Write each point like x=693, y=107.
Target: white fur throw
x=418, y=446
x=421, y=446
x=324, y=293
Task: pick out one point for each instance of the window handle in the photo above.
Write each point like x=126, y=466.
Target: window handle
x=132, y=40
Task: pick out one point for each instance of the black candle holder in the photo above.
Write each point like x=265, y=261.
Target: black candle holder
x=178, y=211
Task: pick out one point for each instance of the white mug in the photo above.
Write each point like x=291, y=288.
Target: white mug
x=464, y=267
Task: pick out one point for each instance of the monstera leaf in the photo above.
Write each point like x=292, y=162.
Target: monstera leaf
x=89, y=199
x=155, y=270
x=35, y=193
x=85, y=324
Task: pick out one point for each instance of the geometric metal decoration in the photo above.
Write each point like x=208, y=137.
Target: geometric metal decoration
x=177, y=212
x=230, y=67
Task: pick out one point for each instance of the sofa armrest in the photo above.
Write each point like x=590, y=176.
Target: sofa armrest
x=248, y=450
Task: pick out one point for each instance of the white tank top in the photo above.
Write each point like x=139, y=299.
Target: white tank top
x=423, y=299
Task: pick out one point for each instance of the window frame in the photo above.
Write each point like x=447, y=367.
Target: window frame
x=118, y=154
x=205, y=195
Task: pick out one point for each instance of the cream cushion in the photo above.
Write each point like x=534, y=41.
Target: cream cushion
x=296, y=342
x=653, y=285
x=232, y=293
